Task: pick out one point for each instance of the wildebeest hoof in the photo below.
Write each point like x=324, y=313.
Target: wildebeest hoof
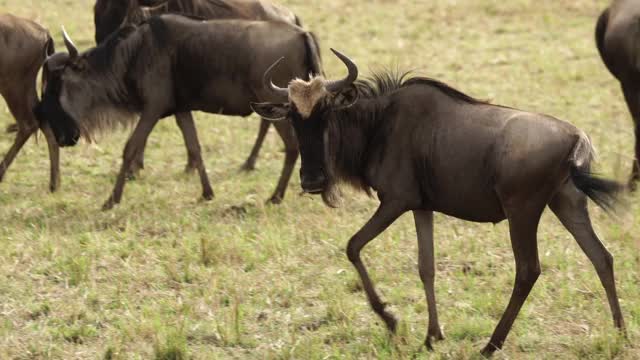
x=488, y=350
x=53, y=187
x=433, y=337
x=109, y=204
x=275, y=200
x=390, y=321
x=248, y=166
x=207, y=195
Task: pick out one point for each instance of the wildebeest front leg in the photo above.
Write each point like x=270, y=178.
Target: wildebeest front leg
x=285, y=130
x=427, y=269
x=134, y=145
x=190, y=134
x=523, y=224
x=54, y=158
x=384, y=216
x=570, y=206
x=21, y=137
x=250, y=164
x=20, y=103
x=632, y=97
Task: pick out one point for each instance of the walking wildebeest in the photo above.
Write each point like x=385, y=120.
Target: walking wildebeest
x=25, y=45
x=173, y=65
x=109, y=15
x=423, y=147
x=617, y=33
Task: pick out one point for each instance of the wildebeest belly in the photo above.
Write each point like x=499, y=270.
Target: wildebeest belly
x=468, y=196
x=218, y=95
x=458, y=169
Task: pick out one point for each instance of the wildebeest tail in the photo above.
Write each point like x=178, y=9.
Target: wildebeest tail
x=313, y=59
x=602, y=191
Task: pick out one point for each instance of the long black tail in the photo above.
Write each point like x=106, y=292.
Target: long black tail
x=603, y=192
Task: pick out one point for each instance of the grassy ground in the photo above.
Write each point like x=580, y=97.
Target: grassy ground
x=166, y=276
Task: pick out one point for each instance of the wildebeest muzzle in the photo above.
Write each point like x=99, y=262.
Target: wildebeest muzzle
x=313, y=181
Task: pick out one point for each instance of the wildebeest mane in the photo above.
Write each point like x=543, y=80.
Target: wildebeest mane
x=448, y=90
x=387, y=81
x=102, y=56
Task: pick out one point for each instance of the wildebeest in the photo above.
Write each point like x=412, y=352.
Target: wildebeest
x=24, y=44
x=172, y=65
x=423, y=147
x=618, y=42
x=109, y=15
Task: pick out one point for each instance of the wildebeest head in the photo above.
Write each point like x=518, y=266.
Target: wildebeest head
x=71, y=94
x=310, y=108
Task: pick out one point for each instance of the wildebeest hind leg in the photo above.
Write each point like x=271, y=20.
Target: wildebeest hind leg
x=54, y=158
x=632, y=97
x=383, y=217
x=523, y=224
x=427, y=269
x=570, y=206
x=188, y=127
x=184, y=123
x=250, y=164
x=131, y=149
x=285, y=130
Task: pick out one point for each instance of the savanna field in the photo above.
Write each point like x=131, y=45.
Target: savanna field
x=167, y=276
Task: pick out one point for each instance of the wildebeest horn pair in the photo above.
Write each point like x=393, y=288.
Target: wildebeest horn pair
x=56, y=61
x=331, y=85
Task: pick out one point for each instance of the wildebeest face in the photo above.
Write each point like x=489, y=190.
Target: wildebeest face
x=51, y=111
x=311, y=106
x=69, y=94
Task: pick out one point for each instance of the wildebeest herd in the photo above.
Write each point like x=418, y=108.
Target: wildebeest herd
x=419, y=144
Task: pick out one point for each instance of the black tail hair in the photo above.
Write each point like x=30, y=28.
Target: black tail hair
x=602, y=191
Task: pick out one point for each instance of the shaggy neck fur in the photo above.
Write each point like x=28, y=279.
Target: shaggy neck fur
x=348, y=150
x=113, y=103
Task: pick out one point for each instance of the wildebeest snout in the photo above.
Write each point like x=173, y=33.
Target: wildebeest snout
x=313, y=181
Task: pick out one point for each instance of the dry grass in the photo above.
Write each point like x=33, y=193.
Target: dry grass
x=166, y=276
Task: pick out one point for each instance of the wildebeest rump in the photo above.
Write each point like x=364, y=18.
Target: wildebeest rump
x=618, y=42
x=423, y=147
x=24, y=45
x=109, y=15
x=172, y=64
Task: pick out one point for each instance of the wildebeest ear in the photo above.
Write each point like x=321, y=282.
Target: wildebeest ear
x=346, y=97
x=78, y=64
x=271, y=111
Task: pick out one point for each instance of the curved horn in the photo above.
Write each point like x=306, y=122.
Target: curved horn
x=268, y=84
x=71, y=48
x=337, y=85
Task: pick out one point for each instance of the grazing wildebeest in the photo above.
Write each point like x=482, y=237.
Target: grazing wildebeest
x=617, y=36
x=172, y=65
x=24, y=45
x=109, y=15
x=423, y=147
